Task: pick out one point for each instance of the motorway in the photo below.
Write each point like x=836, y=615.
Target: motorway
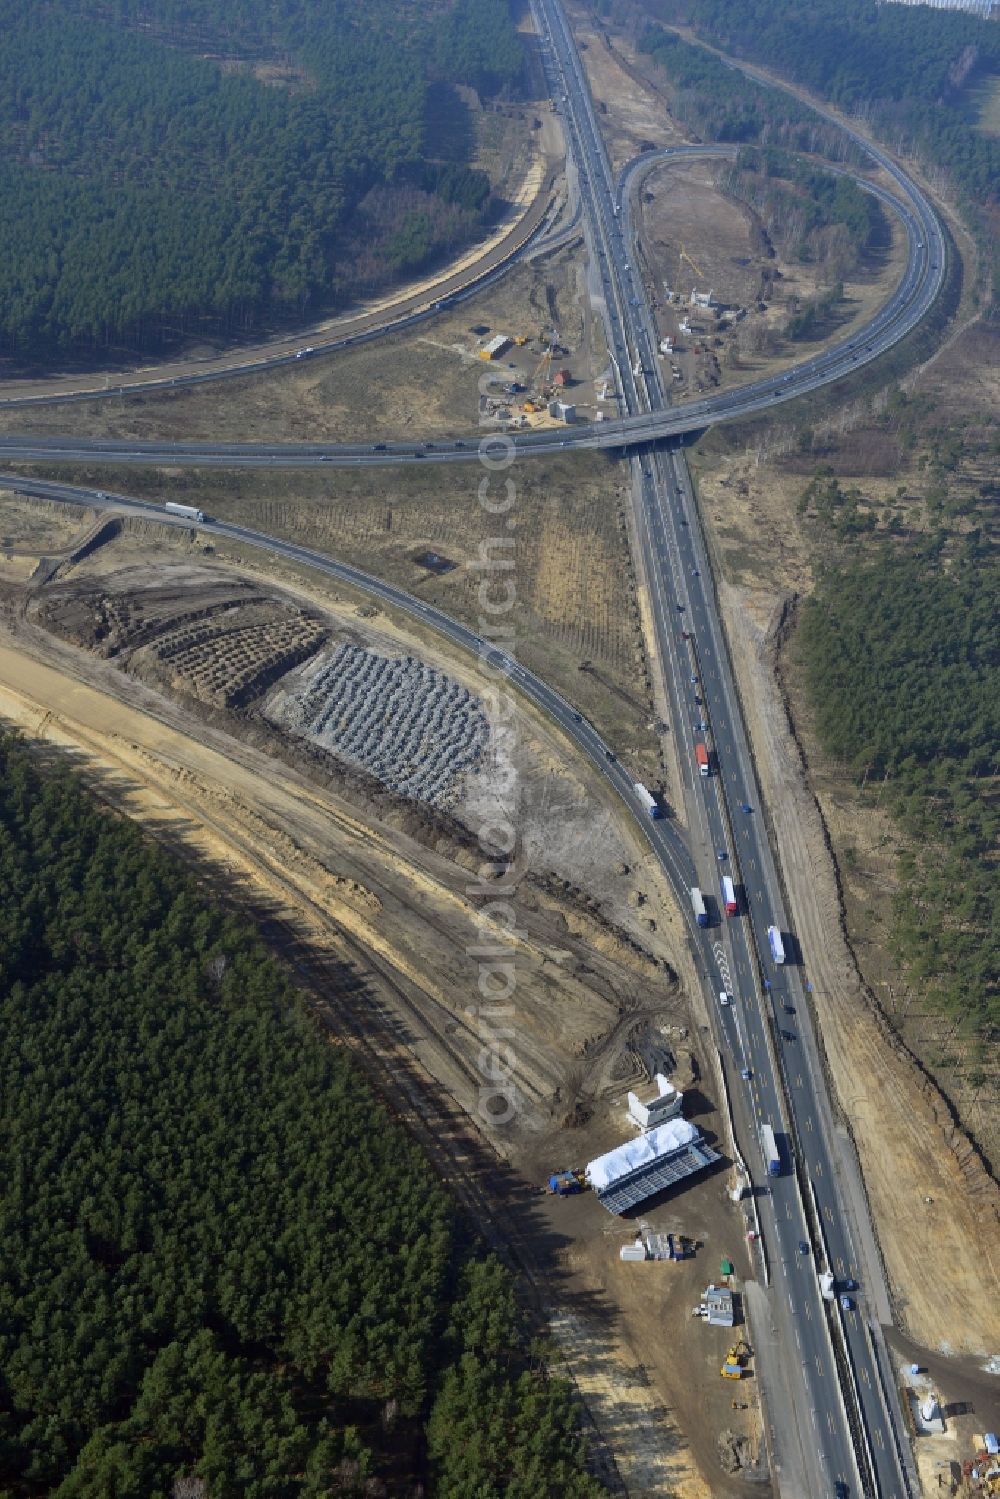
x=918, y=287
x=531, y=231
x=830, y=1421
x=664, y=838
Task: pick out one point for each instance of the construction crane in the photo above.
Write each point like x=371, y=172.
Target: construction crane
x=685, y=256
x=541, y=375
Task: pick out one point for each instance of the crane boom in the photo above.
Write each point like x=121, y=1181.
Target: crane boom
x=685, y=256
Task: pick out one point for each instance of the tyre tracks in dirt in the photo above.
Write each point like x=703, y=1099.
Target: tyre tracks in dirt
x=374, y=1007
x=933, y=1203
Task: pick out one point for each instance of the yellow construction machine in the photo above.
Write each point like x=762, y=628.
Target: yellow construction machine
x=736, y=1359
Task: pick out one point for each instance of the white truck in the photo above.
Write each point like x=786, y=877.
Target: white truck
x=649, y=803
x=776, y=945
x=189, y=512
x=769, y=1150
x=729, y=895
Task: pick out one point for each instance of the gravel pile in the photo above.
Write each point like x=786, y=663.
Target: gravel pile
x=411, y=726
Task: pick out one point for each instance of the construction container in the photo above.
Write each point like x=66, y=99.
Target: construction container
x=633, y=1253
x=495, y=347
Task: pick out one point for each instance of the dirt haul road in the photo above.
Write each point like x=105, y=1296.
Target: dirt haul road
x=281, y=837
x=397, y=924
x=936, y=1209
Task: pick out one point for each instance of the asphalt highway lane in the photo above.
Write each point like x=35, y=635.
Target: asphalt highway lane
x=842, y=1429
x=916, y=292
x=840, y=1426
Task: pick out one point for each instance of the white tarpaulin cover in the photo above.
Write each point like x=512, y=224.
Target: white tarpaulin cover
x=642, y=1151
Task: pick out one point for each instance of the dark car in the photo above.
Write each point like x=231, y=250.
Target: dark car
x=378, y=447
x=803, y=1247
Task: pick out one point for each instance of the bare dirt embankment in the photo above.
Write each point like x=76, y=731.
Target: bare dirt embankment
x=521, y=153
x=936, y=1209
x=939, y=1253
x=114, y=663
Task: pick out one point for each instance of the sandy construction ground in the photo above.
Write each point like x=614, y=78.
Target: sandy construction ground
x=633, y=115
x=281, y=846
x=380, y=924
x=682, y=207
x=936, y=1210
x=576, y=621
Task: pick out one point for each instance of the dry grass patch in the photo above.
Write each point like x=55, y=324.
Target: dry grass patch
x=574, y=619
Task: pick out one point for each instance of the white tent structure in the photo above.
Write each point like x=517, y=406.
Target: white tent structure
x=646, y=1165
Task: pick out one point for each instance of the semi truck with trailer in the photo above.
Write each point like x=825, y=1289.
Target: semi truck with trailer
x=698, y=906
x=649, y=803
x=189, y=512
x=769, y=1150
x=701, y=755
x=729, y=895
x=776, y=945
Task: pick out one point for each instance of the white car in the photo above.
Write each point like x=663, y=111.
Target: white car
x=725, y=998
